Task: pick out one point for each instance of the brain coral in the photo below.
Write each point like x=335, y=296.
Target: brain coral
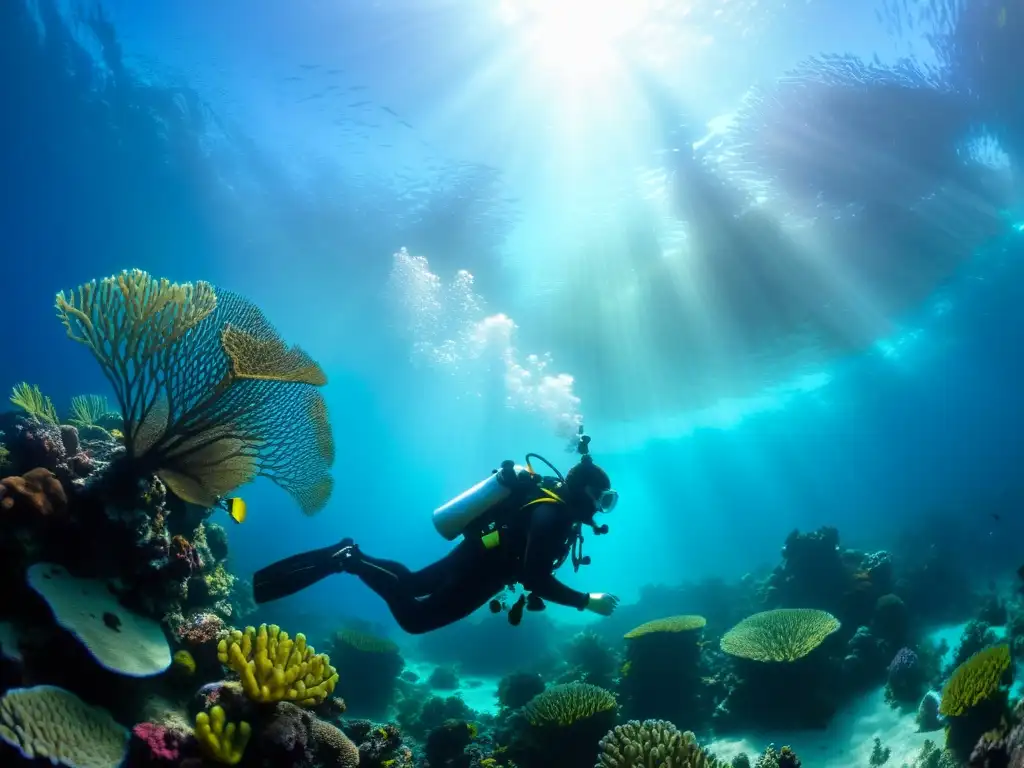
x=653, y=743
x=54, y=724
x=669, y=624
x=567, y=704
x=784, y=634
x=120, y=640
x=976, y=680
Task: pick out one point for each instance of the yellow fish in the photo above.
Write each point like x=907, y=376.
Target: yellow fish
x=235, y=507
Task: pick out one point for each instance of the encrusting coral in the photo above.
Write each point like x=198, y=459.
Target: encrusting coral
x=653, y=743
x=220, y=740
x=209, y=394
x=273, y=667
x=783, y=634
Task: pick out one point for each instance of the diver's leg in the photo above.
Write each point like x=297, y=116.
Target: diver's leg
x=295, y=573
x=388, y=575
x=459, y=583
x=453, y=601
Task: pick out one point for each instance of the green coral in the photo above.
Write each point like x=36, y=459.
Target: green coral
x=34, y=403
x=653, y=744
x=564, y=705
x=365, y=642
x=669, y=624
x=209, y=394
x=5, y=459
x=90, y=410
x=219, y=582
x=976, y=680
x=783, y=634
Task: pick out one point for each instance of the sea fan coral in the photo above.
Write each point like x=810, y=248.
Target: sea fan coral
x=209, y=394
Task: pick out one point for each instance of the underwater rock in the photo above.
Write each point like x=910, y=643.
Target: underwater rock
x=928, y=717
x=516, y=689
x=379, y=746
x=447, y=743
x=443, y=679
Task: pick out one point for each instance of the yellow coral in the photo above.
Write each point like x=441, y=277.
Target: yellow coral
x=220, y=740
x=34, y=403
x=976, y=680
x=784, y=634
x=184, y=662
x=653, y=742
x=274, y=667
x=669, y=624
x=219, y=581
x=364, y=641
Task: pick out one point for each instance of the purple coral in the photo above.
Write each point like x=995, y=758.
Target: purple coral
x=906, y=678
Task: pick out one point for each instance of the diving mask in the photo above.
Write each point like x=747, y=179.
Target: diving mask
x=604, y=501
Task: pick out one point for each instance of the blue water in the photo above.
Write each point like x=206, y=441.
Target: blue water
x=287, y=151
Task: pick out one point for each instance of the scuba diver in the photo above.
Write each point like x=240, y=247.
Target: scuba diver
x=517, y=527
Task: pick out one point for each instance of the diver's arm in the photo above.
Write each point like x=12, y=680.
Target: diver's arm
x=546, y=539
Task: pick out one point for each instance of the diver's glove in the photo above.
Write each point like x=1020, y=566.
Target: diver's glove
x=602, y=603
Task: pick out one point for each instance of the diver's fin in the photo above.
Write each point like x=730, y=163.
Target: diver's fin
x=295, y=573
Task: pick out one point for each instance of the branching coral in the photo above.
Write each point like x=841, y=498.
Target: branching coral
x=209, y=394
x=34, y=403
x=222, y=741
x=653, y=743
x=975, y=681
x=274, y=667
x=784, y=634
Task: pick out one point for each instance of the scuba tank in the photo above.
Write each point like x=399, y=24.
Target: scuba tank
x=452, y=519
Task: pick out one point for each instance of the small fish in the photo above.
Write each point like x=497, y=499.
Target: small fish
x=235, y=507
x=995, y=516
x=515, y=614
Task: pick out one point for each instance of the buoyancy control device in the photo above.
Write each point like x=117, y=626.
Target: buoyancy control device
x=456, y=516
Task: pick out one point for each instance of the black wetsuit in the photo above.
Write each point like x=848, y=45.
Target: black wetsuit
x=533, y=539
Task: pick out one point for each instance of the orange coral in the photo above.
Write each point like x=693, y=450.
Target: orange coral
x=36, y=493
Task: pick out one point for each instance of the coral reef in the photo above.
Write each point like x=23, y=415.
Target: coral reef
x=652, y=743
x=661, y=675
x=974, y=700
x=373, y=664
x=563, y=726
x=776, y=650
x=589, y=659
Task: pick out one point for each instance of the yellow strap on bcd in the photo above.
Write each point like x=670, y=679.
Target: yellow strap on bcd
x=493, y=539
